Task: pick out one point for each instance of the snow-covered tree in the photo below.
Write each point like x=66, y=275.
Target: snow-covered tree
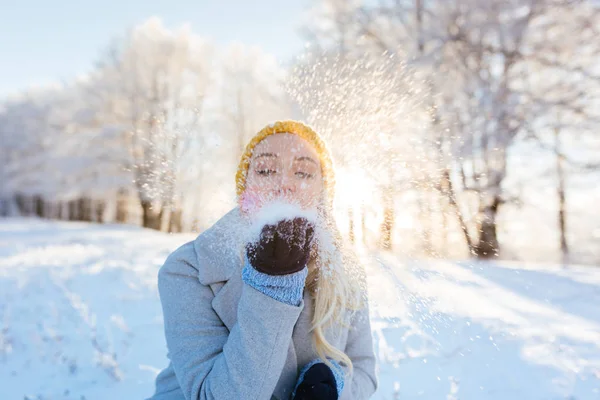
x=152, y=85
x=160, y=119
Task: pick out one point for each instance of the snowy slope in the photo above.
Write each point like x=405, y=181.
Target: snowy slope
x=80, y=319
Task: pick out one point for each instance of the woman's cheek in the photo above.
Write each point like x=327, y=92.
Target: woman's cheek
x=309, y=194
x=257, y=194
x=249, y=201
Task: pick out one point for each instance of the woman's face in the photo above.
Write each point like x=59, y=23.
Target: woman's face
x=285, y=166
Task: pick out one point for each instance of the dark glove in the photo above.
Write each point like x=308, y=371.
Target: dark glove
x=283, y=248
x=318, y=384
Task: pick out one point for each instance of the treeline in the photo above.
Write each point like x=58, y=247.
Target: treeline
x=453, y=126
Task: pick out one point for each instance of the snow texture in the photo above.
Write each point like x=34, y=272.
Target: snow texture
x=80, y=318
x=272, y=212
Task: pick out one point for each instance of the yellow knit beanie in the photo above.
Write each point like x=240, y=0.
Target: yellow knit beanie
x=297, y=128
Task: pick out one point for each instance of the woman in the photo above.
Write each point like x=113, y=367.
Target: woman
x=278, y=315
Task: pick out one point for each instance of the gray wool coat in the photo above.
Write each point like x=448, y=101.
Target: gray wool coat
x=228, y=341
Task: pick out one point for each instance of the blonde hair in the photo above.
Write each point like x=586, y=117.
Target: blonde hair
x=334, y=289
x=331, y=281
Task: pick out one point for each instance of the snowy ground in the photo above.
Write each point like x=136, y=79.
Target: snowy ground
x=80, y=319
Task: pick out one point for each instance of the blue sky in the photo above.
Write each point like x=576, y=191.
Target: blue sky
x=46, y=41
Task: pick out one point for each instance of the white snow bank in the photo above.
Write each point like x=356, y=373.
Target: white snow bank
x=80, y=318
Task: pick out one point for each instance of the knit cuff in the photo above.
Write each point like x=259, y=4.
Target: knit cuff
x=337, y=370
x=288, y=288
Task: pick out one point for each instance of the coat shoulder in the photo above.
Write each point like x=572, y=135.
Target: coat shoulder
x=183, y=260
x=214, y=256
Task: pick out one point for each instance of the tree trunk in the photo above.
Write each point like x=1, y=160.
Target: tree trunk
x=158, y=219
x=99, y=211
x=21, y=204
x=448, y=190
x=562, y=209
x=175, y=221
x=81, y=209
x=74, y=211
x=150, y=219
x=38, y=204
x=488, y=246
x=60, y=209
x=85, y=207
x=49, y=210
x=146, y=213
x=121, y=213
x=65, y=211
x=388, y=220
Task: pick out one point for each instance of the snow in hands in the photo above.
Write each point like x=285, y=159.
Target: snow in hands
x=276, y=211
x=329, y=251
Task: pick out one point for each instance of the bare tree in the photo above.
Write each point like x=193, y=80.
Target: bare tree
x=564, y=92
x=478, y=57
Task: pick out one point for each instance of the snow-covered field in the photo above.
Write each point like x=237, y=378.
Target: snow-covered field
x=80, y=319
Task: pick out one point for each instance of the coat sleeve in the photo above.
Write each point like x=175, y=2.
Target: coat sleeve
x=359, y=347
x=209, y=361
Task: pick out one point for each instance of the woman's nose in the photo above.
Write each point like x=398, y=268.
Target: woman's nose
x=288, y=186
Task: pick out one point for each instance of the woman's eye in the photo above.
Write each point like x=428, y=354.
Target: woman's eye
x=266, y=172
x=304, y=175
